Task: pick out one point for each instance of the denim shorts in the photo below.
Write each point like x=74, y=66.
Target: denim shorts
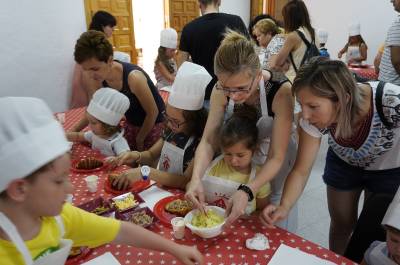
x=341, y=176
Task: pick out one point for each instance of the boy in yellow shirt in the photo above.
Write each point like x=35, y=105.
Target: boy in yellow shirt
x=36, y=225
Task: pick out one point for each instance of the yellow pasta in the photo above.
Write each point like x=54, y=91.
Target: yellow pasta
x=127, y=202
x=205, y=221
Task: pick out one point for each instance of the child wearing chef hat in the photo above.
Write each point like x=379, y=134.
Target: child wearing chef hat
x=355, y=48
x=387, y=253
x=105, y=111
x=36, y=225
x=185, y=119
x=165, y=65
x=323, y=38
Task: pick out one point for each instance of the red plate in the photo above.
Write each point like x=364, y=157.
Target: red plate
x=73, y=260
x=126, y=215
x=83, y=171
x=161, y=213
x=137, y=187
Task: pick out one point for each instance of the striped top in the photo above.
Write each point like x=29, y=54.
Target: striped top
x=387, y=72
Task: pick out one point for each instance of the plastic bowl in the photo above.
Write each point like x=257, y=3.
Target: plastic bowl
x=208, y=232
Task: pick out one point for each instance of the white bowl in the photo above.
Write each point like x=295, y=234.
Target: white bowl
x=208, y=232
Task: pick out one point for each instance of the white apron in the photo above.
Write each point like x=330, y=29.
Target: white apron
x=352, y=53
x=55, y=258
x=222, y=189
x=104, y=145
x=377, y=256
x=171, y=159
x=264, y=125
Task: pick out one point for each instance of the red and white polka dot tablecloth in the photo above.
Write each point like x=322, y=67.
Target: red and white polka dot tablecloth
x=228, y=248
x=367, y=72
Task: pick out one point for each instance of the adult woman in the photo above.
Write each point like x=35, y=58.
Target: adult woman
x=296, y=22
x=186, y=118
x=144, y=119
x=363, y=150
x=83, y=86
x=241, y=81
x=269, y=38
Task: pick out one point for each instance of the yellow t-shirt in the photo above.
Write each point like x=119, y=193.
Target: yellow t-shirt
x=223, y=170
x=85, y=229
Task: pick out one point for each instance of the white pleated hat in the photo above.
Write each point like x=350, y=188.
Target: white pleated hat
x=169, y=38
x=392, y=216
x=322, y=35
x=30, y=137
x=108, y=105
x=189, y=87
x=354, y=29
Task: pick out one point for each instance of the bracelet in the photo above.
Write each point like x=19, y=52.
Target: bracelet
x=247, y=190
x=139, y=158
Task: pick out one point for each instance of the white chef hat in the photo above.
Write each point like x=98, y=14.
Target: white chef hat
x=108, y=105
x=322, y=35
x=189, y=87
x=392, y=216
x=354, y=29
x=30, y=137
x=169, y=38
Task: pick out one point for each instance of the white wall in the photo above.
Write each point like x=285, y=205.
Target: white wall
x=374, y=16
x=37, y=42
x=237, y=7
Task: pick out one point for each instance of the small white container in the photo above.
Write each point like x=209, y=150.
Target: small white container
x=208, y=232
x=178, y=226
x=69, y=198
x=91, y=182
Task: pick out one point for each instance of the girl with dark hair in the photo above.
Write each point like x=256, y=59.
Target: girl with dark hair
x=296, y=22
x=185, y=119
x=355, y=48
x=363, y=125
x=238, y=141
x=104, y=22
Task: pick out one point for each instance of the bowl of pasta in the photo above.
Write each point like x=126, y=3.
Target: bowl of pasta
x=206, y=225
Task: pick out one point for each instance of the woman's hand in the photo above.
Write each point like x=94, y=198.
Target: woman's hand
x=195, y=194
x=188, y=255
x=272, y=214
x=124, y=181
x=236, y=207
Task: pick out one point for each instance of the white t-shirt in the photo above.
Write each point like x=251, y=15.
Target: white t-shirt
x=381, y=149
x=113, y=146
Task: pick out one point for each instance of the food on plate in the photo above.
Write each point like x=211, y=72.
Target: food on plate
x=113, y=177
x=100, y=210
x=141, y=218
x=89, y=163
x=207, y=220
x=125, y=202
x=179, y=207
x=75, y=251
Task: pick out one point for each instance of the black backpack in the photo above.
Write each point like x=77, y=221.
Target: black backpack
x=311, y=51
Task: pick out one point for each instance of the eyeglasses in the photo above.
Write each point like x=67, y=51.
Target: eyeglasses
x=174, y=122
x=228, y=90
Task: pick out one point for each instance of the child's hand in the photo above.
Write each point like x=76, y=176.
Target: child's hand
x=124, y=181
x=127, y=158
x=188, y=255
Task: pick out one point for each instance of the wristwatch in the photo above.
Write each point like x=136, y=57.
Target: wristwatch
x=247, y=190
x=145, y=171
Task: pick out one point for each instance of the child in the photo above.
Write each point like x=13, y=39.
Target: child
x=105, y=111
x=355, y=48
x=165, y=66
x=387, y=253
x=185, y=120
x=323, y=38
x=238, y=141
x=35, y=222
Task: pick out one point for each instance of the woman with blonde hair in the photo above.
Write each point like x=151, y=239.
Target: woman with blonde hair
x=269, y=38
x=362, y=122
x=242, y=82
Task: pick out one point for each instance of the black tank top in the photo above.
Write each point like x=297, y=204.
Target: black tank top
x=136, y=114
